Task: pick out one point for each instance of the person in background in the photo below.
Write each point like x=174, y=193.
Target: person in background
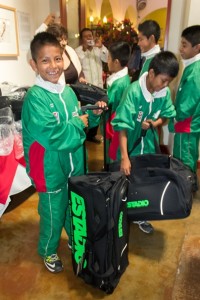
x=53, y=137
x=145, y=102
x=148, y=36
x=72, y=66
x=117, y=82
x=134, y=62
x=91, y=53
x=186, y=125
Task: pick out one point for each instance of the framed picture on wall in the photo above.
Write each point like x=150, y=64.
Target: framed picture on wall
x=8, y=32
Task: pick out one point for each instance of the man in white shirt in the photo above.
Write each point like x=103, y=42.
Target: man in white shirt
x=91, y=54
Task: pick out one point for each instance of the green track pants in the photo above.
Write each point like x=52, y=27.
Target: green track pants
x=54, y=214
x=186, y=148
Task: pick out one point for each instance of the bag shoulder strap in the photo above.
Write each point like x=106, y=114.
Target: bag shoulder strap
x=143, y=134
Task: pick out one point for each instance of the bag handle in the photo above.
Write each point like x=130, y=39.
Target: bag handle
x=143, y=134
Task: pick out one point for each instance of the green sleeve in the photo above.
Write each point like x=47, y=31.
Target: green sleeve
x=168, y=109
x=126, y=112
x=187, y=99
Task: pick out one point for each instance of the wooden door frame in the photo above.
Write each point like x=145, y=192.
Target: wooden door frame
x=82, y=13
x=169, y=4
x=63, y=14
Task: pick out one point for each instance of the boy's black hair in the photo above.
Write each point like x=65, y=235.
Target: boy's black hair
x=120, y=51
x=150, y=27
x=165, y=62
x=192, y=34
x=83, y=30
x=40, y=40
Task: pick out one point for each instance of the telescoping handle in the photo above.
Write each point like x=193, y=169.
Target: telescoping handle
x=90, y=107
x=84, y=109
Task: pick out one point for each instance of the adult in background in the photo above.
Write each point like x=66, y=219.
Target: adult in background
x=91, y=54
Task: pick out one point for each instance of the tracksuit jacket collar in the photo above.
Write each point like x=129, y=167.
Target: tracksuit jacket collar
x=147, y=95
x=190, y=61
x=116, y=76
x=55, y=88
x=152, y=52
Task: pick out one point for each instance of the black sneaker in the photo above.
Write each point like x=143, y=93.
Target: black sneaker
x=53, y=263
x=144, y=226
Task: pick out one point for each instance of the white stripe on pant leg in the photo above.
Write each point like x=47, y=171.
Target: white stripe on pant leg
x=51, y=223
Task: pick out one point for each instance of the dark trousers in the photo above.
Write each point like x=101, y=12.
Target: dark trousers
x=92, y=132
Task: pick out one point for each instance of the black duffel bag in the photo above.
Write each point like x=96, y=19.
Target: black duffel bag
x=160, y=187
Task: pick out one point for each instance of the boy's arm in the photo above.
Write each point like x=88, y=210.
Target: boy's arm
x=125, y=162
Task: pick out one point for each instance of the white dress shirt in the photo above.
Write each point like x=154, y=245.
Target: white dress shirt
x=91, y=62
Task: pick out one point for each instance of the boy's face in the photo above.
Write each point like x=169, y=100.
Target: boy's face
x=49, y=63
x=145, y=43
x=186, y=49
x=155, y=83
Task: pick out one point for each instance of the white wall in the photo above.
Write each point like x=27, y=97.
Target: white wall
x=17, y=69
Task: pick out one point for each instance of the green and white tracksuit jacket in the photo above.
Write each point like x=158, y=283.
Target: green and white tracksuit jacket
x=116, y=85
x=136, y=106
x=53, y=137
x=187, y=123
x=148, y=56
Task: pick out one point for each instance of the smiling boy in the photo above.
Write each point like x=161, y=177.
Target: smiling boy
x=53, y=137
x=148, y=36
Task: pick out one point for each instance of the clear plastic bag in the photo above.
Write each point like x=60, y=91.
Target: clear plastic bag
x=18, y=143
x=6, y=131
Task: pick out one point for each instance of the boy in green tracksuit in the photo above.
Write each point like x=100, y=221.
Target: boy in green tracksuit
x=118, y=81
x=147, y=101
x=187, y=102
x=53, y=136
x=148, y=36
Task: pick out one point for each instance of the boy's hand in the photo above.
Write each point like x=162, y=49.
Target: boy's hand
x=100, y=104
x=125, y=166
x=145, y=125
x=84, y=118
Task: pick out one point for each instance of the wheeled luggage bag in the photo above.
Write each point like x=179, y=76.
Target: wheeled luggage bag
x=99, y=227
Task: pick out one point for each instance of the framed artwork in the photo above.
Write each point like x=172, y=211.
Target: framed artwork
x=8, y=32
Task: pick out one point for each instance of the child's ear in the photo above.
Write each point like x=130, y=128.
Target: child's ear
x=117, y=61
x=152, y=39
x=33, y=65
x=151, y=73
x=197, y=47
